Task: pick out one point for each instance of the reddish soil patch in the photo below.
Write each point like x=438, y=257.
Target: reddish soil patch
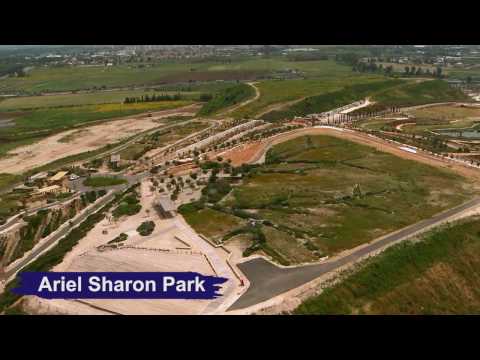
x=182, y=169
x=243, y=154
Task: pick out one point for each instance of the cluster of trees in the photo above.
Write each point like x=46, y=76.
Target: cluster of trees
x=152, y=98
x=418, y=71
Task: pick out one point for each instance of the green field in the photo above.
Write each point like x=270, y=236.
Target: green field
x=35, y=125
x=387, y=92
x=321, y=195
x=426, y=92
x=211, y=223
x=101, y=181
x=79, y=78
x=438, y=275
x=227, y=98
x=99, y=97
x=328, y=77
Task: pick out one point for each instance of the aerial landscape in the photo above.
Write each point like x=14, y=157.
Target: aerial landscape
x=315, y=179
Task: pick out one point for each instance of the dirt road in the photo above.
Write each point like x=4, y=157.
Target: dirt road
x=246, y=102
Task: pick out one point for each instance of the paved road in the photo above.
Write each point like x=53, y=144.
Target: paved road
x=268, y=280
x=38, y=250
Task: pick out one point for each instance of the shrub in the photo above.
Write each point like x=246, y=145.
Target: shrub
x=146, y=228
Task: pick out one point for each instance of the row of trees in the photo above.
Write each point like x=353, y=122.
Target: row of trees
x=152, y=98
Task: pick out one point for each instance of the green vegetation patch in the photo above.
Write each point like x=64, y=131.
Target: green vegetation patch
x=425, y=92
x=319, y=195
x=54, y=256
x=130, y=205
x=331, y=100
x=209, y=222
x=146, y=228
x=101, y=181
x=438, y=275
x=226, y=98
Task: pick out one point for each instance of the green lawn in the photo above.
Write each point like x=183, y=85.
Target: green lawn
x=438, y=275
x=101, y=181
x=212, y=223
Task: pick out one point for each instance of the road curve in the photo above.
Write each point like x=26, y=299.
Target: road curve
x=268, y=280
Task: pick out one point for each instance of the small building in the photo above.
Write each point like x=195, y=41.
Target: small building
x=38, y=176
x=165, y=206
x=53, y=189
x=115, y=159
x=59, y=178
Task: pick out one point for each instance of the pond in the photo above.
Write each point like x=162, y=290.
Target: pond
x=466, y=133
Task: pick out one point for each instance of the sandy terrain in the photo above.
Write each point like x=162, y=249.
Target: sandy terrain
x=173, y=246
x=243, y=154
x=93, y=137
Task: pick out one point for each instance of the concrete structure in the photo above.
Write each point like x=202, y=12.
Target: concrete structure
x=165, y=206
x=38, y=176
x=53, y=189
x=58, y=179
x=115, y=158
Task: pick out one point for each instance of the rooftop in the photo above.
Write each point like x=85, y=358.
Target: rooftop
x=58, y=176
x=165, y=203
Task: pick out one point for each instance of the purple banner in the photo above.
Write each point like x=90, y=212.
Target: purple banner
x=119, y=285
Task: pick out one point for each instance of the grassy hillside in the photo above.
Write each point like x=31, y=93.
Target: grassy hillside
x=420, y=93
x=439, y=275
x=386, y=93
x=275, y=93
x=226, y=98
x=331, y=100
x=319, y=195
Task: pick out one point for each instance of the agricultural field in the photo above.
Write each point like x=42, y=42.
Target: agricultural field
x=90, y=98
x=319, y=195
x=437, y=275
x=74, y=78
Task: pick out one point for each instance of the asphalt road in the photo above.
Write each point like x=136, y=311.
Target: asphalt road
x=268, y=280
x=38, y=250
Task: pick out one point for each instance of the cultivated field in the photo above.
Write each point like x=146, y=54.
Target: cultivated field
x=79, y=78
x=98, y=97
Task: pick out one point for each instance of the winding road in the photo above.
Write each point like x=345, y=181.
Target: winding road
x=268, y=280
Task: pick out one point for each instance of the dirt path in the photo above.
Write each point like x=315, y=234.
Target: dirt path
x=246, y=102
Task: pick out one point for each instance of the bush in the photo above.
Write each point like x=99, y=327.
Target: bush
x=119, y=238
x=146, y=228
